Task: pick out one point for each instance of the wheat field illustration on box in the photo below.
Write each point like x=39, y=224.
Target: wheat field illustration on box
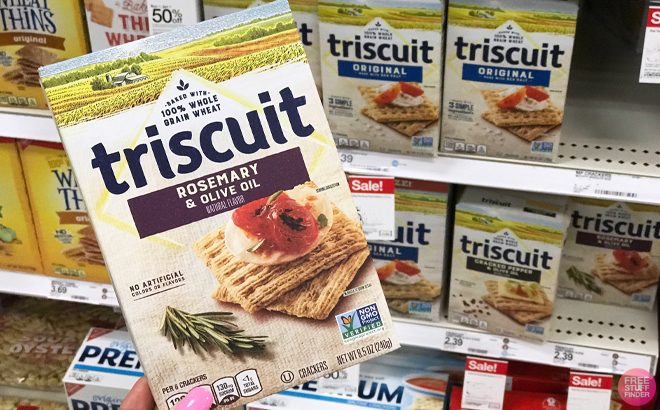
x=103, y=89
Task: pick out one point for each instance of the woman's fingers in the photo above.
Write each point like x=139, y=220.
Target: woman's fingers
x=139, y=398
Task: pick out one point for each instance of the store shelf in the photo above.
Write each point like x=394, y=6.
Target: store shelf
x=55, y=288
x=33, y=394
x=28, y=123
x=584, y=336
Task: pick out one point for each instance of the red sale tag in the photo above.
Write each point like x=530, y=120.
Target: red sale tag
x=650, y=68
x=589, y=391
x=484, y=384
x=374, y=200
x=654, y=17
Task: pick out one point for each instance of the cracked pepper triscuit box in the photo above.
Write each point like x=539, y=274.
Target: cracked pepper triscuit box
x=381, y=63
x=505, y=261
x=221, y=208
x=506, y=75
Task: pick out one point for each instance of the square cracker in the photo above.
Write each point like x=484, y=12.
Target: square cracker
x=632, y=286
x=256, y=286
x=101, y=14
x=422, y=289
x=427, y=111
x=502, y=303
x=37, y=55
x=530, y=132
x=426, y=403
x=399, y=305
x=408, y=128
x=317, y=297
x=521, y=316
x=512, y=118
x=612, y=272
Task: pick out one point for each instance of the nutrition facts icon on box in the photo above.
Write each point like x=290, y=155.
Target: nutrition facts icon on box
x=460, y=146
x=248, y=383
x=225, y=390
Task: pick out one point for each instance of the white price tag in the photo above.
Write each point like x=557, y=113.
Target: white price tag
x=344, y=381
x=166, y=15
x=589, y=391
x=605, y=184
x=78, y=291
x=650, y=70
x=374, y=200
x=484, y=384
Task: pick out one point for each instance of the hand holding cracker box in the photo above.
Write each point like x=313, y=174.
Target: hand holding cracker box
x=222, y=209
x=612, y=253
x=506, y=254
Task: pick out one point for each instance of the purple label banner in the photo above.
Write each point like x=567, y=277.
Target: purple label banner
x=217, y=193
x=612, y=242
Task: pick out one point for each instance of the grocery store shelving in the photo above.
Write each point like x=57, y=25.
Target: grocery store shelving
x=28, y=123
x=41, y=286
x=593, y=333
x=33, y=394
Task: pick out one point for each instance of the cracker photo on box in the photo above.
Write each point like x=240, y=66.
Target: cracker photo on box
x=221, y=207
x=612, y=253
x=381, y=64
x=507, y=66
x=505, y=261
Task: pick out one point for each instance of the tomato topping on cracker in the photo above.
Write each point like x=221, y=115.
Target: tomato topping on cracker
x=631, y=261
x=536, y=94
x=513, y=99
x=389, y=95
x=410, y=89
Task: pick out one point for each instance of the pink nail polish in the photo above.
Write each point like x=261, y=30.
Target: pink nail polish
x=197, y=399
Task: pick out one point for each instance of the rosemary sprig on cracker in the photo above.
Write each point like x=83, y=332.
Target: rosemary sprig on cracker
x=584, y=279
x=206, y=330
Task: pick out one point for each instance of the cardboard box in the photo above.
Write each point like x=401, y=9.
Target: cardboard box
x=410, y=267
x=167, y=15
x=34, y=34
x=220, y=201
x=611, y=254
x=68, y=244
x=19, y=250
x=103, y=372
x=381, y=74
x=506, y=254
x=305, y=13
x=112, y=23
x=506, y=75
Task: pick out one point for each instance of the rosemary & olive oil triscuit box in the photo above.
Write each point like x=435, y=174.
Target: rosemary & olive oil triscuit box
x=612, y=253
x=68, y=244
x=111, y=23
x=506, y=76
x=381, y=63
x=220, y=204
x=33, y=34
x=19, y=250
x=410, y=267
x=505, y=261
x=305, y=15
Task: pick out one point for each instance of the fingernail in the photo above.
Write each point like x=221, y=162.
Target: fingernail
x=197, y=399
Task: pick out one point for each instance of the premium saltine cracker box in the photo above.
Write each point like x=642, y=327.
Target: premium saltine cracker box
x=381, y=63
x=506, y=74
x=111, y=23
x=305, y=14
x=611, y=254
x=505, y=261
x=222, y=210
x=410, y=267
x=33, y=34
x=19, y=250
x=68, y=243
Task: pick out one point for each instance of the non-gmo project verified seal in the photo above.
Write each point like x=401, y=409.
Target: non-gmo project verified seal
x=359, y=323
x=540, y=146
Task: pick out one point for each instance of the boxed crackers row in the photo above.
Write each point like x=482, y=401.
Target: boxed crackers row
x=379, y=67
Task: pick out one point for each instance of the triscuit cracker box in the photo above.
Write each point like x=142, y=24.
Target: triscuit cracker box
x=18, y=242
x=612, y=253
x=410, y=267
x=381, y=64
x=505, y=262
x=506, y=75
x=111, y=22
x=305, y=14
x=69, y=248
x=221, y=206
x=33, y=34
